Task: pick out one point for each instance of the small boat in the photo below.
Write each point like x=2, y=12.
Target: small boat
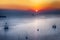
x=26, y=37
x=6, y=27
x=54, y=26
x=37, y=29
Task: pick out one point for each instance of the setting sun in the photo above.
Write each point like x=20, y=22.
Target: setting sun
x=36, y=10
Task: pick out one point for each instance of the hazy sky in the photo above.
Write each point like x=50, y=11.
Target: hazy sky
x=29, y=4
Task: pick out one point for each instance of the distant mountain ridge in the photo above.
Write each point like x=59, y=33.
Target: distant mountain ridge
x=28, y=13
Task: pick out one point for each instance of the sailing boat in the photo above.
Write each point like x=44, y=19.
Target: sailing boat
x=54, y=26
x=6, y=27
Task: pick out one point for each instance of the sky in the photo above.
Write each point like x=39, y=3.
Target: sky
x=29, y=4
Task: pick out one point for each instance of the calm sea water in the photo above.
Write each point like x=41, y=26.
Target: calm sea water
x=20, y=28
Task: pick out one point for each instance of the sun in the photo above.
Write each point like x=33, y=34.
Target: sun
x=36, y=10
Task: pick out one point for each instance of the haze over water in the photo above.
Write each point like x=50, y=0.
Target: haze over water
x=19, y=28
x=23, y=26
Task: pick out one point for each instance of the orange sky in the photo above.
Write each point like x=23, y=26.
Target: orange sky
x=29, y=4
